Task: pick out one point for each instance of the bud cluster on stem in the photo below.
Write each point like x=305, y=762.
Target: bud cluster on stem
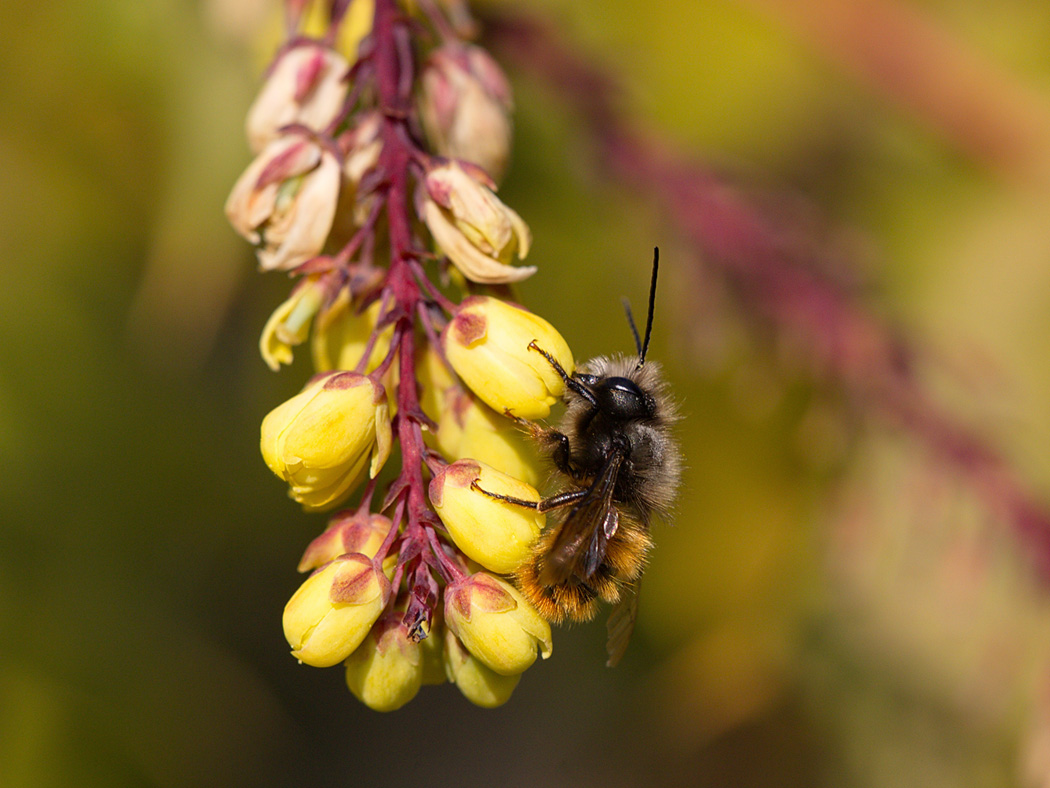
x=377, y=156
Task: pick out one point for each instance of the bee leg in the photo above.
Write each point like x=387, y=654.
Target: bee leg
x=570, y=381
x=551, y=442
x=547, y=504
x=508, y=498
x=561, y=500
x=551, y=360
x=557, y=444
x=534, y=430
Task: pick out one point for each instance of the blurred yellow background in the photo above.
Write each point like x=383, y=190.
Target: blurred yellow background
x=832, y=607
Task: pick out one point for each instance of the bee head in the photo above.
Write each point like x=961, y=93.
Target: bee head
x=622, y=399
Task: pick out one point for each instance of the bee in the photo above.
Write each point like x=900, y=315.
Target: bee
x=619, y=466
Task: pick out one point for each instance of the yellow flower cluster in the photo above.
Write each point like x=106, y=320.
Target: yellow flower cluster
x=492, y=631
x=321, y=442
x=342, y=194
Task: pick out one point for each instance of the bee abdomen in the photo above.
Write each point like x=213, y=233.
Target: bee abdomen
x=577, y=598
x=569, y=600
x=627, y=552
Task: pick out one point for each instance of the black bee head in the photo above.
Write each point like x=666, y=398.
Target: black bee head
x=623, y=400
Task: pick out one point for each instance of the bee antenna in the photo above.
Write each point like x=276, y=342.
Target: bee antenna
x=634, y=328
x=644, y=347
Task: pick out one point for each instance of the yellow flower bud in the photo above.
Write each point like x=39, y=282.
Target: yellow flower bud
x=478, y=233
x=349, y=532
x=342, y=335
x=330, y=614
x=289, y=324
x=386, y=671
x=479, y=684
x=487, y=343
x=495, y=623
x=320, y=440
x=469, y=428
x=497, y=534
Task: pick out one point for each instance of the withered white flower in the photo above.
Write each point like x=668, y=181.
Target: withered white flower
x=307, y=86
x=466, y=105
x=285, y=201
x=479, y=233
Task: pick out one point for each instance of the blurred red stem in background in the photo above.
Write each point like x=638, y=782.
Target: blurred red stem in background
x=901, y=52
x=869, y=358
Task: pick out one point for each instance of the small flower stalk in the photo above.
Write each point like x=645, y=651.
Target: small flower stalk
x=374, y=186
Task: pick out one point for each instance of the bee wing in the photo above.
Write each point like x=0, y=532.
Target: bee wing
x=621, y=624
x=579, y=547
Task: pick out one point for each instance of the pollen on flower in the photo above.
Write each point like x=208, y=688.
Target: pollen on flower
x=408, y=585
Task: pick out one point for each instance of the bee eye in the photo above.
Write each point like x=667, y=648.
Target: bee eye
x=622, y=398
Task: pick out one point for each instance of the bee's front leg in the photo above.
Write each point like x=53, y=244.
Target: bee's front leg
x=507, y=498
x=573, y=382
x=552, y=443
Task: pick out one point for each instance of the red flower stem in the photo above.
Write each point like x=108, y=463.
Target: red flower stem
x=435, y=294
x=394, y=70
x=352, y=98
x=431, y=332
x=388, y=360
x=450, y=570
x=366, y=498
x=366, y=231
x=438, y=20
x=391, y=536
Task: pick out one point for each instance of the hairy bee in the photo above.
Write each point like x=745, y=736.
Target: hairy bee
x=618, y=466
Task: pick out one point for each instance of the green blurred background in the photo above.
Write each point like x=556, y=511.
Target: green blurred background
x=831, y=607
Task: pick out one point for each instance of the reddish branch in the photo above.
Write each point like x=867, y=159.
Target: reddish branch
x=390, y=58
x=937, y=78
x=869, y=358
